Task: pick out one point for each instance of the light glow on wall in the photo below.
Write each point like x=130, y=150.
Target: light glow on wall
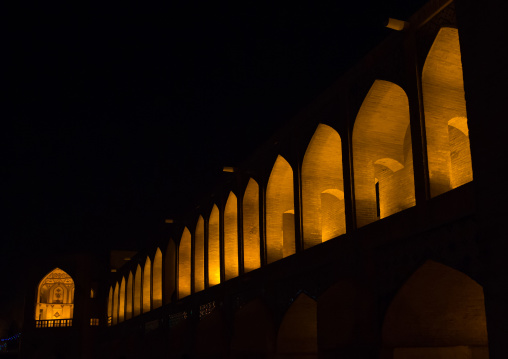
x=147, y=285
x=280, y=238
x=128, y=297
x=170, y=271
x=199, y=256
x=382, y=154
x=251, y=238
x=137, y=291
x=213, y=247
x=55, y=296
x=184, y=265
x=323, y=188
x=115, y=303
x=157, y=280
x=231, y=237
x=448, y=149
x=121, y=301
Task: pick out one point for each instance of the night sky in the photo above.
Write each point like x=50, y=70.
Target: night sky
x=120, y=115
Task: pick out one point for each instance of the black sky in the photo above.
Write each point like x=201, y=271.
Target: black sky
x=119, y=111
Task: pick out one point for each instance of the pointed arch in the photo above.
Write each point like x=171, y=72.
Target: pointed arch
x=55, y=296
x=170, y=271
x=251, y=233
x=128, y=296
x=157, y=279
x=297, y=333
x=323, y=188
x=280, y=206
x=448, y=149
x=438, y=312
x=199, y=256
x=137, y=291
x=121, y=301
x=213, y=247
x=184, y=265
x=116, y=297
x=231, y=237
x=381, y=139
x=147, y=285
x=110, y=306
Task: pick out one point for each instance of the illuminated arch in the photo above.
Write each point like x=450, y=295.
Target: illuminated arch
x=213, y=247
x=184, y=265
x=382, y=154
x=147, y=285
x=110, y=306
x=280, y=205
x=448, y=149
x=137, y=291
x=199, y=256
x=170, y=271
x=128, y=297
x=157, y=280
x=55, y=296
x=231, y=237
x=323, y=188
x=298, y=331
x=251, y=237
x=121, y=301
x=438, y=312
x=115, y=303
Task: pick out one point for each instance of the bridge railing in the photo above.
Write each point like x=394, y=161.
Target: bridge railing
x=53, y=323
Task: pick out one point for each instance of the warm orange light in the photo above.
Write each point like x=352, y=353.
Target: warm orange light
x=128, y=297
x=157, y=280
x=147, y=285
x=184, y=264
x=170, y=272
x=231, y=237
x=115, y=303
x=55, y=296
x=323, y=188
x=199, y=256
x=448, y=149
x=382, y=154
x=137, y=291
x=280, y=239
x=251, y=239
x=213, y=247
x=121, y=301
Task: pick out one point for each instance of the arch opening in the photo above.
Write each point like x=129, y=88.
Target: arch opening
x=128, y=297
x=251, y=236
x=297, y=335
x=137, y=291
x=170, y=272
x=147, y=285
x=213, y=247
x=382, y=154
x=438, y=312
x=184, y=264
x=231, y=237
x=323, y=188
x=55, y=300
x=199, y=256
x=280, y=206
x=448, y=148
x=157, y=280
